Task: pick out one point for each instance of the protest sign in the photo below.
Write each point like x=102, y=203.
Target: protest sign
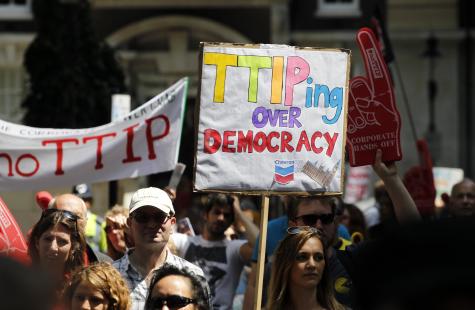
x=373, y=119
x=444, y=179
x=145, y=141
x=271, y=118
x=358, y=184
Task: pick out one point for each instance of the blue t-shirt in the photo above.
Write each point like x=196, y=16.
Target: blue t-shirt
x=343, y=232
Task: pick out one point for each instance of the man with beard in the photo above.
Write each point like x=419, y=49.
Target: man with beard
x=221, y=259
x=150, y=222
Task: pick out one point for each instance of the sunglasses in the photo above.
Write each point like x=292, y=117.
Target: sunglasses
x=293, y=230
x=143, y=218
x=172, y=302
x=311, y=219
x=66, y=214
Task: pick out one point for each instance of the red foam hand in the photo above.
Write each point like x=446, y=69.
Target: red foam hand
x=12, y=242
x=373, y=119
x=419, y=181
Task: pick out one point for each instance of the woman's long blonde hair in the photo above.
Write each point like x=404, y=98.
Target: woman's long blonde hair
x=284, y=258
x=111, y=251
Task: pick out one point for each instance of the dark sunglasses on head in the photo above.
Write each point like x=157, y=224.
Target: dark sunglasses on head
x=67, y=214
x=143, y=218
x=297, y=229
x=172, y=302
x=311, y=219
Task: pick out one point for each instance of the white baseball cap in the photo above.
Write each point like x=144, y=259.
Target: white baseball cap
x=154, y=197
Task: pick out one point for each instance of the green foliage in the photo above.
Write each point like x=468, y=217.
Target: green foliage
x=72, y=75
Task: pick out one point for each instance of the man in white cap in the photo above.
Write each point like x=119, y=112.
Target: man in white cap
x=150, y=221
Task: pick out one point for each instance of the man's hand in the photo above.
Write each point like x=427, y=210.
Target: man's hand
x=171, y=193
x=384, y=170
x=250, y=230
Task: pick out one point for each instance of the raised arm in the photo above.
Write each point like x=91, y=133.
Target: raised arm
x=404, y=207
x=248, y=301
x=251, y=229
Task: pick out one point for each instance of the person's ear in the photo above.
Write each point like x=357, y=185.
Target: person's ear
x=173, y=220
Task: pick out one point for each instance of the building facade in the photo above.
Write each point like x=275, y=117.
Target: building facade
x=157, y=42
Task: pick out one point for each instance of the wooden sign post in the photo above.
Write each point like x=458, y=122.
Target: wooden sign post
x=261, y=260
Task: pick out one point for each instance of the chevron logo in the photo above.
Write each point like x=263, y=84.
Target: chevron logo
x=284, y=171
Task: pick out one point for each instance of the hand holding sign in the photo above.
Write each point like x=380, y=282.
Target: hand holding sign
x=373, y=120
x=383, y=170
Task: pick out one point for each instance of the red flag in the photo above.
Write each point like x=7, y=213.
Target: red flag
x=12, y=242
x=419, y=181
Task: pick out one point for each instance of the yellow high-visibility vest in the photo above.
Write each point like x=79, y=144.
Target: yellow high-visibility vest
x=95, y=234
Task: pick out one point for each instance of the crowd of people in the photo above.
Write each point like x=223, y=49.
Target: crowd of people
x=320, y=255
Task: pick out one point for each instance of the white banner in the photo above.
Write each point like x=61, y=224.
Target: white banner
x=145, y=141
x=272, y=118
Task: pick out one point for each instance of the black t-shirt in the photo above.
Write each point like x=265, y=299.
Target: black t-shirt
x=340, y=277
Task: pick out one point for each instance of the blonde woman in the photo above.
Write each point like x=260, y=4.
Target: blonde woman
x=99, y=287
x=299, y=276
x=116, y=228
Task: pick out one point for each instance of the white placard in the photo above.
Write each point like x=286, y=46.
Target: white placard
x=271, y=118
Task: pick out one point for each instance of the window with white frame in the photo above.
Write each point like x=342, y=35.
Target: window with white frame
x=15, y=9
x=12, y=76
x=338, y=8
x=11, y=93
